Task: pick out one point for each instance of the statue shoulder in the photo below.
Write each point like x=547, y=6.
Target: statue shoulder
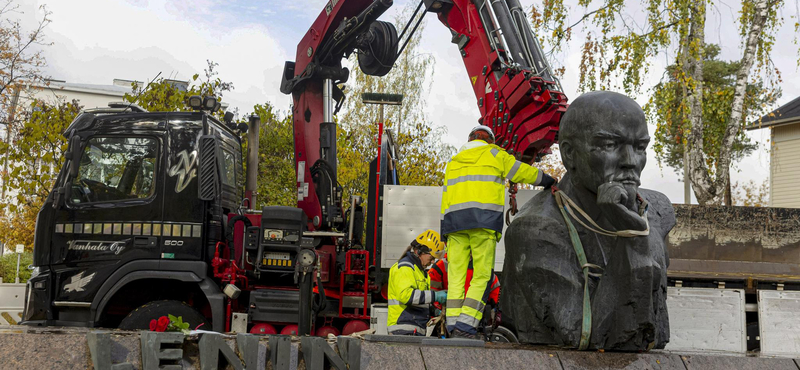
x=539, y=214
x=661, y=206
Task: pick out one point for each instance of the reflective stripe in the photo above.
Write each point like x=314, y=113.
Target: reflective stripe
x=513, y=170
x=495, y=151
x=451, y=320
x=496, y=284
x=478, y=205
x=394, y=302
x=406, y=327
x=468, y=320
x=485, y=178
x=415, y=298
x=476, y=305
x=436, y=284
x=444, y=188
x=428, y=296
x=454, y=303
x=405, y=264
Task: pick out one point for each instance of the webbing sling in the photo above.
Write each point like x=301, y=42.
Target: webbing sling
x=586, y=324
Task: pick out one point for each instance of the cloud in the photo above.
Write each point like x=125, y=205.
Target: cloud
x=138, y=39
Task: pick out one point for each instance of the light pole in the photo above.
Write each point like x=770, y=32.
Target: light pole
x=382, y=99
x=20, y=250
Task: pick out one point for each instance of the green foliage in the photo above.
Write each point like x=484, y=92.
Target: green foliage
x=668, y=110
x=8, y=267
x=34, y=157
x=276, y=173
x=177, y=324
x=163, y=95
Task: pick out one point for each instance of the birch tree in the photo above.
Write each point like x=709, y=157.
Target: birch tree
x=619, y=49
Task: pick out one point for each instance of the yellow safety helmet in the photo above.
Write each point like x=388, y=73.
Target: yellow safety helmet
x=429, y=242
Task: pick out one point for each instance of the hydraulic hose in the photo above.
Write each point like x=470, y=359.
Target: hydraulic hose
x=229, y=233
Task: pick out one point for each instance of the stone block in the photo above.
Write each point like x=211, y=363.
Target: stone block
x=488, y=358
x=385, y=356
x=576, y=360
x=453, y=342
x=737, y=362
x=32, y=351
x=394, y=338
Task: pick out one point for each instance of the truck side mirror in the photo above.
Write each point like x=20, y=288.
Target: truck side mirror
x=208, y=166
x=74, y=155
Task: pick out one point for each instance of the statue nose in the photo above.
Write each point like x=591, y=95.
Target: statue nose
x=628, y=157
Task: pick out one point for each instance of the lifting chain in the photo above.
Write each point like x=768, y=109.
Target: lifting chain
x=512, y=202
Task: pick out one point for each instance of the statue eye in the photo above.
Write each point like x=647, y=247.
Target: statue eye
x=609, y=145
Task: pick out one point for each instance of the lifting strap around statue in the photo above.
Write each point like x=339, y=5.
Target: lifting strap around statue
x=586, y=324
x=565, y=204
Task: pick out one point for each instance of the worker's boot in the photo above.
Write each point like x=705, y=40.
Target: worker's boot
x=457, y=333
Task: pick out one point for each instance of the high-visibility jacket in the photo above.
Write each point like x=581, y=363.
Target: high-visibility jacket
x=438, y=276
x=473, y=194
x=410, y=297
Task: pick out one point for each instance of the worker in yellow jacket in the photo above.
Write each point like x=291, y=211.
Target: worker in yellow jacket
x=410, y=295
x=472, y=221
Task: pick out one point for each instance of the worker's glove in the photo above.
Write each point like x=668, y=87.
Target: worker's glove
x=547, y=181
x=441, y=296
x=437, y=312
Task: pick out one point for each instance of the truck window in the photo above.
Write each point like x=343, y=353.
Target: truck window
x=114, y=169
x=228, y=168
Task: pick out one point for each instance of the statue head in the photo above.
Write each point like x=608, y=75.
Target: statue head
x=603, y=138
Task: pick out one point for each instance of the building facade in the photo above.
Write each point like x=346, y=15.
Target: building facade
x=784, y=126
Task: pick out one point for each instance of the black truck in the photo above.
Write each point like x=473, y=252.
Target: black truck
x=124, y=226
x=150, y=216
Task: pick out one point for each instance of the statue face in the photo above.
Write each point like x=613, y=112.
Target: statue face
x=612, y=150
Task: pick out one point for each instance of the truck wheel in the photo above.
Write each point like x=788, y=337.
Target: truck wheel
x=139, y=319
x=503, y=335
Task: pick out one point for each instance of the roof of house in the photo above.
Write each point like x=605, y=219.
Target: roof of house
x=114, y=90
x=787, y=114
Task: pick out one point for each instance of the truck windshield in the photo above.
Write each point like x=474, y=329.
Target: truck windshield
x=115, y=168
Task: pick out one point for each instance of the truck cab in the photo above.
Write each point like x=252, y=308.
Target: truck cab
x=134, y=217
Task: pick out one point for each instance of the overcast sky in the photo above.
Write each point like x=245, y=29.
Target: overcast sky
x=95, y=41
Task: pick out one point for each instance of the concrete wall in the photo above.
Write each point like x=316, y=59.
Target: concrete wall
x=785, y=166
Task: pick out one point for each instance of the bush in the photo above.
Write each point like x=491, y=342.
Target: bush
x=8, y=267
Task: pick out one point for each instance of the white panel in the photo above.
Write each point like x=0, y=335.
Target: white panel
x=410, y=210
x=407, y=212
x=779, y=322
x=379, y=316
x=705, y=319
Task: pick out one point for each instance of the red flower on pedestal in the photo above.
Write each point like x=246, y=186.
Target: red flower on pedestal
x=163, y=323
x=153, y=324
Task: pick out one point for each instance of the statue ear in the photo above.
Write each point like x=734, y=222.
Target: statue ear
x=567, y=154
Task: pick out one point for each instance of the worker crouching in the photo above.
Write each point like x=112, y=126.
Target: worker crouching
x=410, y=295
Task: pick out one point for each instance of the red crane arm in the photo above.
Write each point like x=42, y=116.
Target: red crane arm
x=515, y=91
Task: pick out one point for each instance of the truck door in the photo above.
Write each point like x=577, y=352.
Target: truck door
x=112, y=214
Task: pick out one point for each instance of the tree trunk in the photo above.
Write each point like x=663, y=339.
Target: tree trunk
x=739, y=92
x=728, y=191
x=701, y=180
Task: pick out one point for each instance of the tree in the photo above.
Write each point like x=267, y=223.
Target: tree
x=751, y=194
x=667, y=110
x=34, y=159
x=20, y=67
x=20, y=61
x=619, y=50
x=276, y=173
x=163, y=95
x=422, y=155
